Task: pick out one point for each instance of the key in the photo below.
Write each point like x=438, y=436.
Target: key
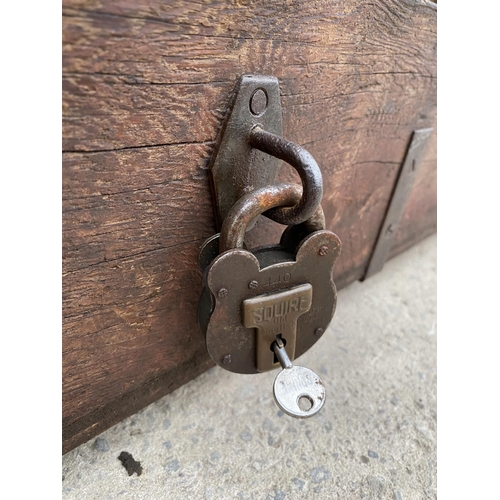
x=298, y=391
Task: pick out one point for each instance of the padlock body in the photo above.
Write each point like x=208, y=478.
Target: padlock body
x=294, y=286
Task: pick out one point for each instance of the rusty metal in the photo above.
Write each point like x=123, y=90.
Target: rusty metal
x=293, y=235
x=399, y=197
x=306, y=166
x=271, y=270
x=249, y=149
x=236, y=167
x=250, y=206
x=208, y=251
x=276, y=314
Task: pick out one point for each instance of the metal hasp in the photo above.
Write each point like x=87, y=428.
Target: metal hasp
x=249, y=149
x=256, y=100
x=400, y=195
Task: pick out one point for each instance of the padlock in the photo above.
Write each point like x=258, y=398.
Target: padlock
x=284, y=292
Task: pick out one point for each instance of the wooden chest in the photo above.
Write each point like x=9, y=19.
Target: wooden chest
x=146, y=86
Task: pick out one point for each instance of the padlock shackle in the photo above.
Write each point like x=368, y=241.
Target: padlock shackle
x=253, y=204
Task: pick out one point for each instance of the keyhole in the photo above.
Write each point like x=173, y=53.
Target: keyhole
x=305, y=403
x=276, y=360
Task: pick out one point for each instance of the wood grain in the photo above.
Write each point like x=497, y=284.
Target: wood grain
x=145, y=90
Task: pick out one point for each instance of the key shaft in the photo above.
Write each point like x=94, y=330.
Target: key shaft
x=281, y=354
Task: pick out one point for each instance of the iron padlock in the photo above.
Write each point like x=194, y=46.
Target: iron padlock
x=284, y=291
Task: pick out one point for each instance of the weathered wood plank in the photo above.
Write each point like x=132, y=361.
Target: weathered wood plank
x=145, y=89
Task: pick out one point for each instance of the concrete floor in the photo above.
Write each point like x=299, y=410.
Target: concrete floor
x=221, y=436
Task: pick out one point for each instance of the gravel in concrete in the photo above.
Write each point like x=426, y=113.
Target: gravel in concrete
x=221, y=436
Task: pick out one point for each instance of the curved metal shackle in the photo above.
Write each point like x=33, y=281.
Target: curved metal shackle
x=250, y=206
x=306, y=166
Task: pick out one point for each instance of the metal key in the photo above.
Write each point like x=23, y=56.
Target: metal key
x=298, y=391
